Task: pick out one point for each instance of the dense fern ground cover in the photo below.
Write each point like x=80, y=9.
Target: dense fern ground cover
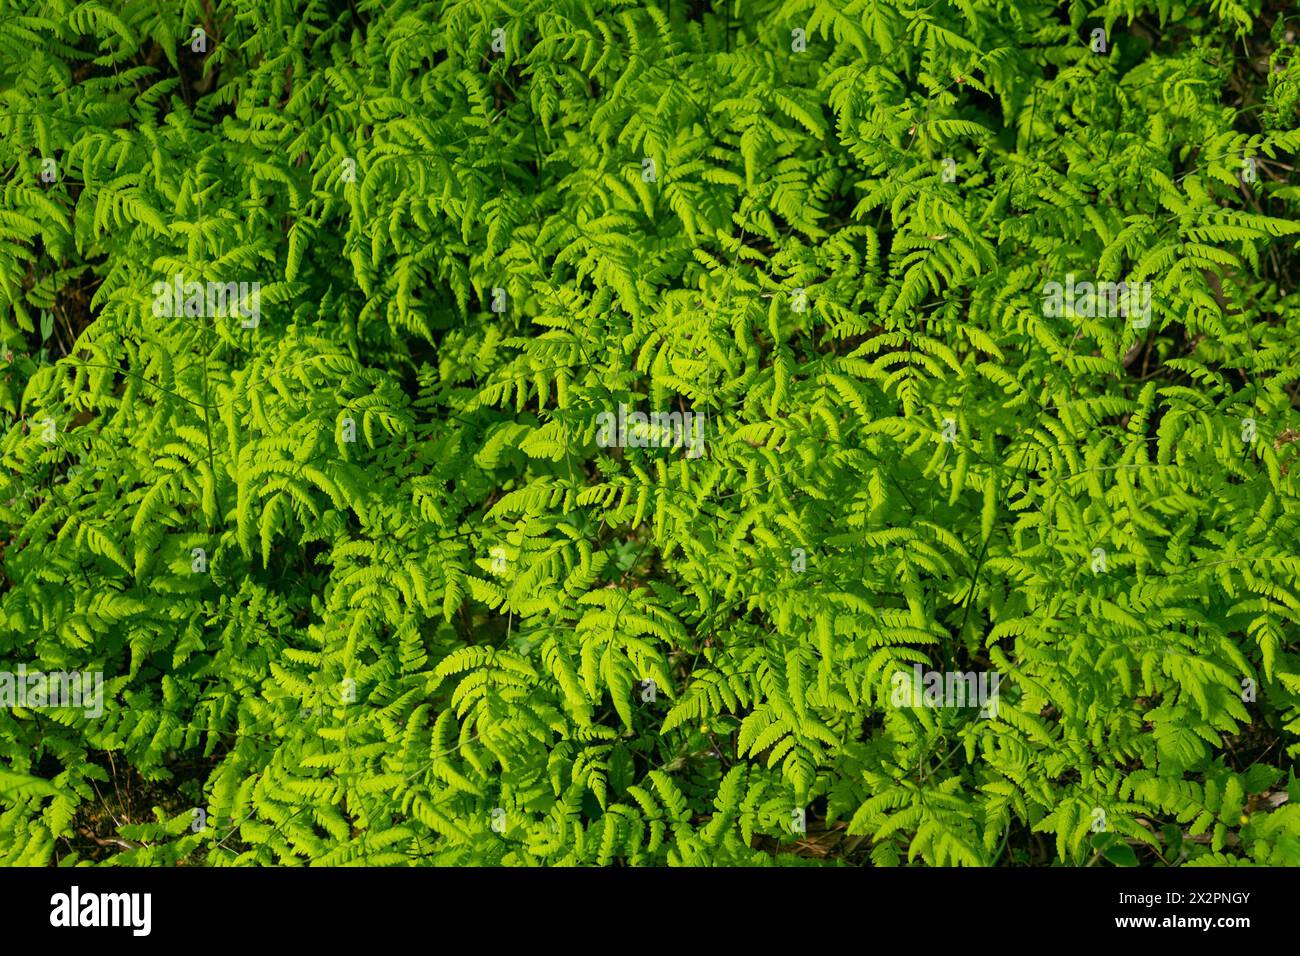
x=583, y=432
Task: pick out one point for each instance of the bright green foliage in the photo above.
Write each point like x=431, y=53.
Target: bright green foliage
x=473, y=635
